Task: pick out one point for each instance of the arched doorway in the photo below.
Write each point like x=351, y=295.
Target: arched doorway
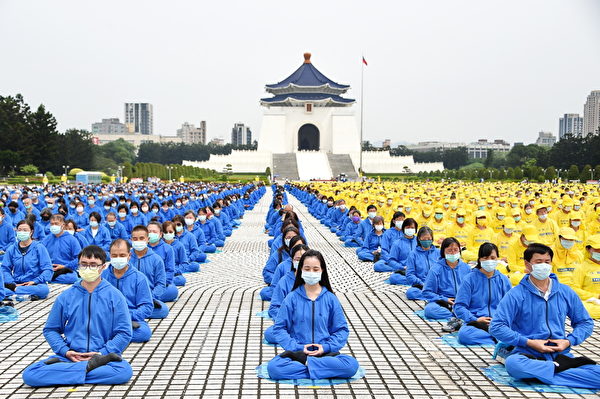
x=308, y=138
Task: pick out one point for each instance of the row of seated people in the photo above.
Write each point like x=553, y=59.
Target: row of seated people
x=140, y=273
x=486, y=309
x=309, y=322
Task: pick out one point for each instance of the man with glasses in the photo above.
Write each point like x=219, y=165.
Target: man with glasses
x=88, y=328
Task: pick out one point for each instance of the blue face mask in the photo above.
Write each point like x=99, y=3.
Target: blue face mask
x=567, y=244
x=426, y=243
x=596, y=256
x=452, y=257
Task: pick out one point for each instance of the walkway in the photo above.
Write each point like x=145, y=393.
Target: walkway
x=211, y=342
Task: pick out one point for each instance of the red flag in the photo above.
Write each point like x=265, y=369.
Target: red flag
x=364, y=61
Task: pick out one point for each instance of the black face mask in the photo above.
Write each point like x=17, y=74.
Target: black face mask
x=45, y=218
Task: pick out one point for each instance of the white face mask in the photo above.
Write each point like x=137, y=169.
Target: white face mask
x=372, y=214
x=119, y=263
x=489, y=265
x=378, y=227
x=410, y=232
x=311, y=278
x=295, y=264
x=541, y=271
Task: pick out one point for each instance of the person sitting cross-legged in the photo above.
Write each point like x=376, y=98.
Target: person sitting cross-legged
x=88, y=328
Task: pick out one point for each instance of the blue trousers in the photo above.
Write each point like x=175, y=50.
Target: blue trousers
x=469, y=335
x=200, y=258
x=67, y=372
x=220, y=243
x=269, y=336
x=266, y=293
x=382, y=266
x=521, y=367
x=209, y=248
x=365, y=255
x=414, y=294
x=350, y=243
x=161, y=312
x=340, y=366
x=141, y=334
x=67, y=278
x=398, y=279
x=170, y=293
x=435, y=311
x=179, y=280
x=41, y=290
x=193, y=267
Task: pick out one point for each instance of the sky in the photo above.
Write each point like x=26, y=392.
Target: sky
x=457, y=70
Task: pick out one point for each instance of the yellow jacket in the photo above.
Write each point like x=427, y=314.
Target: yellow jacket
x=564, y=263
x=586, y=280
x=548, y=231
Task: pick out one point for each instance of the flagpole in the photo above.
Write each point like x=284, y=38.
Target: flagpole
x=362, y=73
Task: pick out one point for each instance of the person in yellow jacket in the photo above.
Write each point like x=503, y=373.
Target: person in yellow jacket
x=498, y=220
x=562, y=216
x=586, y=277
x=528, y=215
x=518, y=219
x=566, y=257
x=481, y=233
x=460, y=229
x=505, y=239
x=516, y=261
x=546, y=227
x=426, y=216
x=439, y=226
x=580, y=233
x=592, y=227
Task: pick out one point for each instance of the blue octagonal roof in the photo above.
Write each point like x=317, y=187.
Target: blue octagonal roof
x=307, y=76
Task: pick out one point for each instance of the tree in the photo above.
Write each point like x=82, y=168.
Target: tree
x=573, y=173
x=550, y=173
x=489, y=160
x=454, y=158
x=586, y=173
x=120, y=151
x=29, y=170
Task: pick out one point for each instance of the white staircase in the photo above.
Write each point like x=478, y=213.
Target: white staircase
x=313, y=165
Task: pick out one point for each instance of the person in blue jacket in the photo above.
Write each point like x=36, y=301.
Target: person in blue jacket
x=80, y=217
x=193, y=252
x=344, y=222
x=415, y=252
x=88, y=328
x=282, y=268
x=351, y=235
x=152, y=266
x=26, y=266
x=182, y=264
x=479, y=296
x=14, y=213
x=7, y=232
x=531, y=318
x=280, y=255
x=136, y=217
x=444, y=280
x=223, y=218
x=71, y=228
x=116, y=229
x=123, y=218
x=311, y=327
x=133, y=285
x=97, y=234
x=165, y=252
x=371, y=248
x=284, y=287
x=338, y=216
x=220, y=234
x=63, y=249
x=396, y=233
x=208, y=229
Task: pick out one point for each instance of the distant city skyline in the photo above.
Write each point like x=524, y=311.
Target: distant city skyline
x=438, y=70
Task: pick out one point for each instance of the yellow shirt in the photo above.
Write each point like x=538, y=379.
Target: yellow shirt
x=547, y=230
x=586, y=280
x=461, y=233
x=562, y=219
x=440, y=229
x=564, y=263
x=504, y=242
x=516, y=261
x=480, y=236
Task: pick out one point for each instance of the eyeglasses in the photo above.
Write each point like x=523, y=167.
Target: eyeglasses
x=91, y=265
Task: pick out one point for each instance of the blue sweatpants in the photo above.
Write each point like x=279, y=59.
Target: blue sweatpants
x=266, y=293
x=382, y=266
x=365, y=255
x=41, y=290
x=161, y=312
x=521, y=367
x=67, y=278
x=398, y=279
x=170, y=293
x=469, y=335
x=179, y=280
x=193, y=267
x=350, y=243
x=67, y=372
x=269, y=336
x=435, y=311
x=414, y=294
x=209, y=248
x=340, y=366
x=141, y=334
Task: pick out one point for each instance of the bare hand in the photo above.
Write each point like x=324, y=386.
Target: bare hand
x=485, y=320
x=27, y=283
x=318, y=352
x=540, y=345
x=451, y=301
x=56, y=266
x=561, y=344
x=73, y=356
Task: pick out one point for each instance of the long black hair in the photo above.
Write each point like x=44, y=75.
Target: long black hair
x=311, y=253
x=446, y=243
x=283, y=247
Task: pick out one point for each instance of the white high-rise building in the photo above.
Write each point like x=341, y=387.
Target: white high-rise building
x=546, y=139
x=570, y=124
x=241, y=135
x=109, y=126
x=591, y=113
x=191, y=134
x=139, y=118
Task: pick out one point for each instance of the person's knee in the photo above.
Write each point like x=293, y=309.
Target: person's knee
x=142, y=334
x=274, y=368
x=179, y=281
x=30, y=375
x=123, y=373
x=350, y=366
x=514, y=365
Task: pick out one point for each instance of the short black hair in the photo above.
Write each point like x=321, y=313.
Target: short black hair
x=371, y=207
x=93, y=251
x=537, y=248
x=120, y=241
x=486, y=250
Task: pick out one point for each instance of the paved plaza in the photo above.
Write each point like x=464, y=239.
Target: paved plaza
x=210, y=344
